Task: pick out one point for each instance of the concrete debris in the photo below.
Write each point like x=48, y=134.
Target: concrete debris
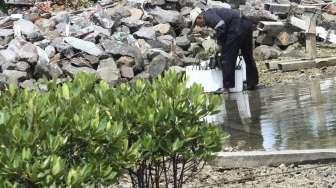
x=131, y=39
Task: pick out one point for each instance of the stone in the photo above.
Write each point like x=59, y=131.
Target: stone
x=115, y=47
x=27, y=29
x=125, y=60
x=63, y=47
x=177, y=69
x=45, y=24
x=61, y=28
x=3, y=81
x=166, y=41
x=126, y=72
x=8, y=54
x=132, y=23
x=165, y=16
x=162, y=28
x=80, y=62
x=82, y=45
x=185, y=31
x=285, y=39
x=14, y=76
x=183, y=42
x=50, y=70
x=91, y=59
x=72, y=70
x=118, y=12
x=145, y=33
x=135, y=13
x=6, y=35
x=3, y=60
x=104, y=21
x=42, y=43
x=265, y=39
x=25, y=51
x=50, y=50
x=217, y=4
x=157, y=66
x=19, y=66
x=264, y=52
x=28, y=84
x=108, y=71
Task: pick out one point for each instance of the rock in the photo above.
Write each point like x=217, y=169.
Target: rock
x=28, y=84
x=45, y=24
x=51, y=51
x=189, y=61
x=25, y=51
x=265, y=39
x=185, y=31
x=14, y=76
x=165, y=16
x=3, y=60
x=217, y=4
x=50, y=70
x=103, y=20
x=3, y=81
x=132, y=23
x=177, y=69
x=61, y=28
x=19, y=66
x=8, y=54
x=264, y=52
x=72, y=70
x=183, y=42
x=135, y=13
x=80, y=62
x=92, y=59
x=85, y=46
x=157, y=66
x=125, y=60
x=63, y=47
x=145, y=33
x=115, y=47
x=126, y=72
x=27, y=29
x=6, y=35
x=166, y=41
x=108, y=71
x=119, y=12
x=285, y=39
x=163, y=28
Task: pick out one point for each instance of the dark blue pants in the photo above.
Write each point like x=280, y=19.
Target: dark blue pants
x=241, y=39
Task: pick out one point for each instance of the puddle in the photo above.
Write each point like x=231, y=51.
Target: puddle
x=296, y=116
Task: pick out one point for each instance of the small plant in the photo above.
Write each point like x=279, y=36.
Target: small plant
x=167, y=120
x=60, y=138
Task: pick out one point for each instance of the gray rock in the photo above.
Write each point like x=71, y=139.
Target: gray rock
x=165, y=16
x=50, y=70
x=185, y=31
x=8, y=54
x=118, y=12
x=162, y=28
x=80, y=62
x=3, y=81
x=183, y=42
x=28, y=84
x=125, y=60
x=115, y=47
x=108, y=71
x=19, y=66
x=217, y=4
x=45, y=24
x=14, y=76
x=61, y=29
x=157, y=66
x=126, y=72
x=264, y=52
x=103, y=20
x=3, y=60
x=27, y=28
x=85, y=46
x=92, y=59
x=6, y=35
x=25, y=51
x=72, y=70
x=50, y=50
x=166, y=41
x=177, y=69
x=63, y=47
x=132, y=23
x=145, y=33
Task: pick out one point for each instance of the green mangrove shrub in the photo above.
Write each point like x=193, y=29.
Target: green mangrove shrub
x=166, y=120
x=60, y=138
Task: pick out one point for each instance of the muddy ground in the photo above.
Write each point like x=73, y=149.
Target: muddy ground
x=272, y=78
x=291, y=176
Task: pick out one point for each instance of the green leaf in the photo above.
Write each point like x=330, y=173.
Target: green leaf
x=65, y=91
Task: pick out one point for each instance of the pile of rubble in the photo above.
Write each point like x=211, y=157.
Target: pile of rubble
x=119, y=41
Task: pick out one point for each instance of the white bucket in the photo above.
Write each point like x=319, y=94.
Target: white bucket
x=212, y=79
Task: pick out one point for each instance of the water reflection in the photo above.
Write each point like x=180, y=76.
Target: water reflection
x=297, y=116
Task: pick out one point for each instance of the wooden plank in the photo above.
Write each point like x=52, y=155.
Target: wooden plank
x=275, y=8
x=325, y=62
x=296, y=65
x=19, y=2
x=310, y=19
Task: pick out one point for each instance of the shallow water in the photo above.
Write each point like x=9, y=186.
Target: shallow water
x=296, y=116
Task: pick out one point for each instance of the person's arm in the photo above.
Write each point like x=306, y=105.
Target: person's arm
x=214, y=21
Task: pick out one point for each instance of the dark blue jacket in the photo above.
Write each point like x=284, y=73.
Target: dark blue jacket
x=225, y=21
